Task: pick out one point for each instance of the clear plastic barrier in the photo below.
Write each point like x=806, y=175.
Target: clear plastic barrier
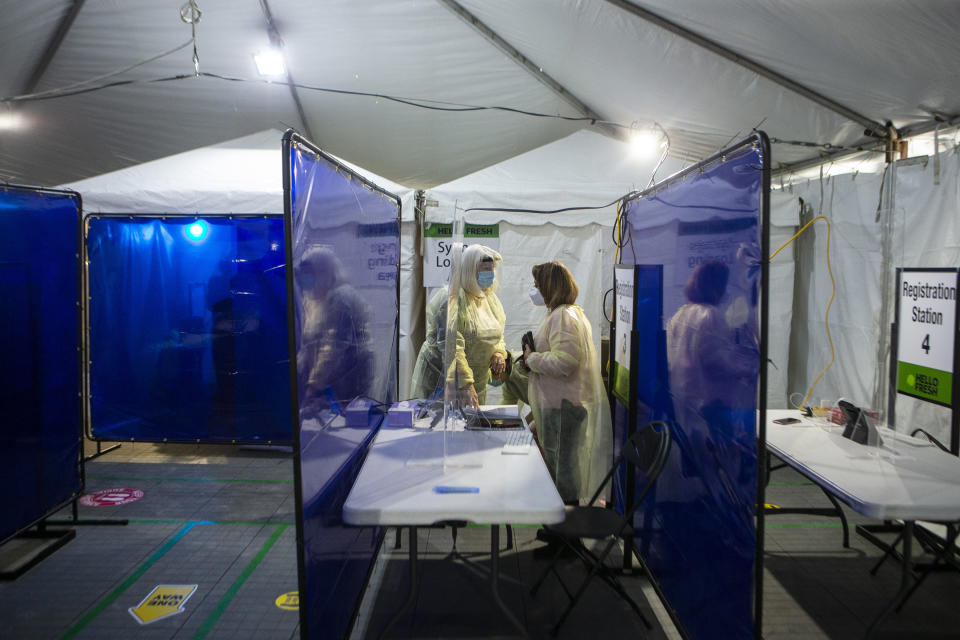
x=700, y=238
x=345, y=251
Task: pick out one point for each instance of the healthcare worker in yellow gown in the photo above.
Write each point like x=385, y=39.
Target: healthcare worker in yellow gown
x=481, y=350
x=567, y=395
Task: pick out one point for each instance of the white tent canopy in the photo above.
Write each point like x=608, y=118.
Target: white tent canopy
x=238, y=176
x=804, y=71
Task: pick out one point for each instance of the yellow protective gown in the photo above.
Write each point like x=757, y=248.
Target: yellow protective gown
x=569, y=403
x=480, y=323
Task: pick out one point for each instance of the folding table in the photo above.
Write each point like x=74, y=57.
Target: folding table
x=397, y=486
x=906, y=478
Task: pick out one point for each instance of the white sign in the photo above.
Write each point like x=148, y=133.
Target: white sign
x=623, y=305
x=927, y=328
x=438, y=241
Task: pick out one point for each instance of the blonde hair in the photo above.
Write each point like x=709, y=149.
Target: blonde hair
x=556, y=284
x=470, y=261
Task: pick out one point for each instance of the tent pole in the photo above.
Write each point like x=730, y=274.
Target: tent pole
x=276, y=41
x=872, y=127
x=886, y=219
x=51, y=51
x=534, y=69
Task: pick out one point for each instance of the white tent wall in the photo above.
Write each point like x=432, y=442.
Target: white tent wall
x=784, y=217
x=926, y=234
x=856, y=257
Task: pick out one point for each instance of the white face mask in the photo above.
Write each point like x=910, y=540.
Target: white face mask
x=535, y=297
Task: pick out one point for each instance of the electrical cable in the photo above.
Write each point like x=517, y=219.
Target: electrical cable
x=615, y=234
x=663, y=156
x=68, y=90
x=584, y=208
x=833, y=292
x=420, y=102
x=603, y=306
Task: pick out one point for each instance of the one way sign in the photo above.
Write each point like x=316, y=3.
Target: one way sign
x=164, y=601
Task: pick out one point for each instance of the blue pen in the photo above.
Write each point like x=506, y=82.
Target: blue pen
x=449, y=489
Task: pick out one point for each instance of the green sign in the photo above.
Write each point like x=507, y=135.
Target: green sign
x=621, y=383
x=925, y=383
x=441, y=230
x=625, y=285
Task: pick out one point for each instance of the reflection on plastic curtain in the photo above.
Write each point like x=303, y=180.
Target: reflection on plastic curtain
x=699, y=366
x=40, y=364
x=345, y=252
x=188, y=332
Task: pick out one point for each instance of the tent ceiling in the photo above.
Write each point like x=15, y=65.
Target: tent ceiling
x=887, y=61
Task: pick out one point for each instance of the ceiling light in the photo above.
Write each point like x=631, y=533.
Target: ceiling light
x=11, y=121
x=646, y=143
x=270, y=62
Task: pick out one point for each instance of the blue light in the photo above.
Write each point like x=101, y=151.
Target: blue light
x=197, y=231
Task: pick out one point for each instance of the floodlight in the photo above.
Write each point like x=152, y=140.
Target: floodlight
x=646, y=143
x=10, y=121
x=270, y=62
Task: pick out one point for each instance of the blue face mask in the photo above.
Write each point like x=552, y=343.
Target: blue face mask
x=493, y=382
x=485, y=279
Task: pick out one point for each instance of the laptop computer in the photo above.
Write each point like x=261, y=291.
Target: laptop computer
x=493, y=416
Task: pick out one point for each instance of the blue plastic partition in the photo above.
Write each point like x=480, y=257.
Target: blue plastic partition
x=188, y=329
x=41, y=430
x=701, y=236
x=345, y=239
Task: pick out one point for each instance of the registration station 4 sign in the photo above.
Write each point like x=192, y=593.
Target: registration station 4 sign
x=927, y=326
x=110, y=497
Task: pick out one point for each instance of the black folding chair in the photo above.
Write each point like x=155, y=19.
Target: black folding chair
x=647, y=450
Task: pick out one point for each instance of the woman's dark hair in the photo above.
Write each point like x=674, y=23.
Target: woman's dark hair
x=707, y=283
x=556, y=284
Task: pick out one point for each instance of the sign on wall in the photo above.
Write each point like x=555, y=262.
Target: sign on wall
x=624, y=282
x=926, y=332
x=379, y=245
x=438, y=242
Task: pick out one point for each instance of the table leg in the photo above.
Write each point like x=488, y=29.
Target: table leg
x=906, y=573
x=841, y=515
x=495, y=577
x=414, y=583
x=944, y=554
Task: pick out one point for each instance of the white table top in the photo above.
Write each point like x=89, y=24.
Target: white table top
x=906, y=478
x=396, y=483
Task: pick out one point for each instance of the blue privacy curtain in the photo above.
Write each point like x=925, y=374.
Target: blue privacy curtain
x=701, y=238
x=188, y=334
x=40, y=432
x=345, y=248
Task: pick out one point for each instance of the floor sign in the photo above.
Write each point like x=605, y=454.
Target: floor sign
x=110, y=497
x=164, y=601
